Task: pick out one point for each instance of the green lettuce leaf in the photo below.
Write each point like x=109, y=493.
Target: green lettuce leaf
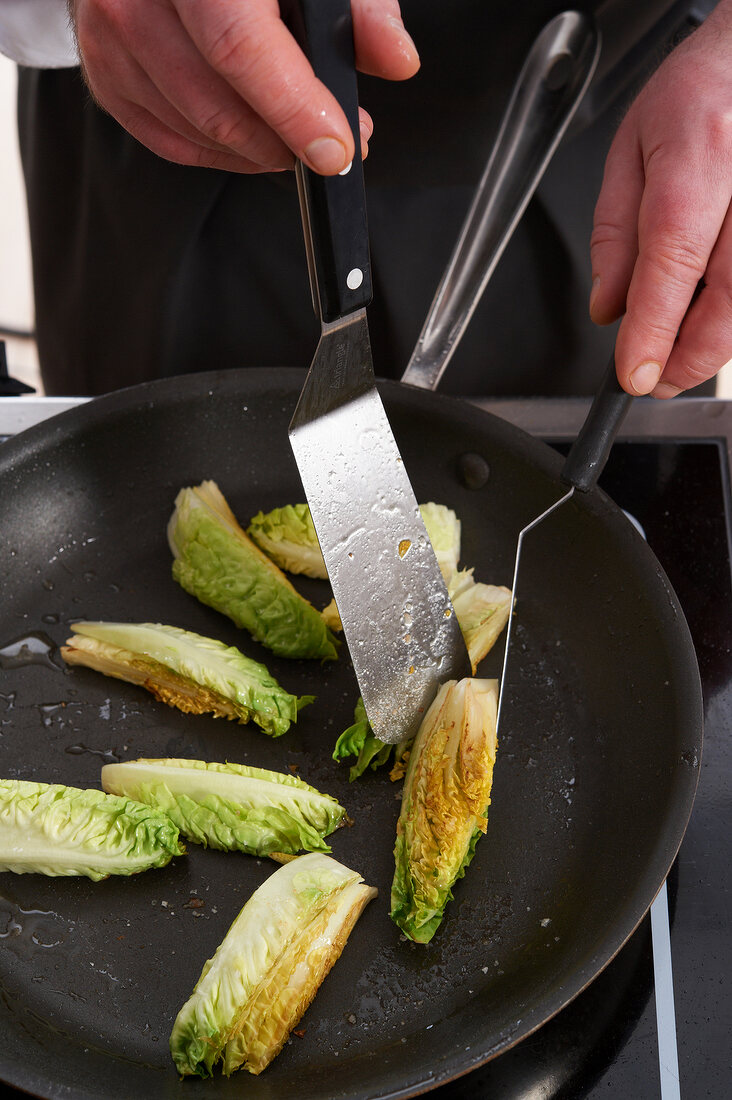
x=269, y=966
x=185, y=670
x=360, y=741
x=217, y=562
x=230, y=806
x=56, y=830
x=287, y=536
x=444, y=803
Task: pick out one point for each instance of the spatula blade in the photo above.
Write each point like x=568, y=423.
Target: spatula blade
x=402, y=633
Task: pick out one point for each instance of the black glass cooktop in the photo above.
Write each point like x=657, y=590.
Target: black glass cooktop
x=605, y=1044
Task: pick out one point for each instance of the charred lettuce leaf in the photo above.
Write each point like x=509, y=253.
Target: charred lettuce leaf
x=233, y=807
x=56, y=830
x=185, y=670
x=269, y=967
x=444, y=803
x=217, y=562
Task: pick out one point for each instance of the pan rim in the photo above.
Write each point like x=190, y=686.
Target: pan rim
x=22, y=447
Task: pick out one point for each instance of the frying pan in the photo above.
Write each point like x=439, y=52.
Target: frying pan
x=593, y=785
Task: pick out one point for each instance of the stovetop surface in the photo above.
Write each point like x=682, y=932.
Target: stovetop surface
x=605, y=1043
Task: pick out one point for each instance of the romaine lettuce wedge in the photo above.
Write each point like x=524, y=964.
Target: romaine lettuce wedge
x=185, y=670
x=287, y=536
x=269, y=966
x=443, y=529
x=217, y=562
x=55, y=830
x=482, y=611
x=444, y=803
x=233, y=807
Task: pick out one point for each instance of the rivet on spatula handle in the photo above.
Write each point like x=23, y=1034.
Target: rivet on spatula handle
x=333, y=207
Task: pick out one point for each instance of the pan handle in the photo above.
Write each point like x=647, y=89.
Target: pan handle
x=551, y=84
x=590, y=450
x=333, y=208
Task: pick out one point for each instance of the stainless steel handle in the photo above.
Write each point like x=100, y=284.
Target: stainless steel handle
x=549, y=88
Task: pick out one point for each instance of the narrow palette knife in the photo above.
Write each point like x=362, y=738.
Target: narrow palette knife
x=402, y=632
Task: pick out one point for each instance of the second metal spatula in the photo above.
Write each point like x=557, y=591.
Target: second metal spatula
x=402, y=632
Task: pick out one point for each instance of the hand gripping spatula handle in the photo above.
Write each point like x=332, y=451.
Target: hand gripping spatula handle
x=402, y=632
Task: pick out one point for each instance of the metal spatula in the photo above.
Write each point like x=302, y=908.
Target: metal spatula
x=552, y=82
x=580, y=473
x=402, y=633
x=549, y=88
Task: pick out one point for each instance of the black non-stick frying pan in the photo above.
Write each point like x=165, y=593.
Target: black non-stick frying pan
x=592, y=789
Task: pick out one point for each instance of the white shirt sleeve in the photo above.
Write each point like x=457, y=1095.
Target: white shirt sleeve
x=37, y=33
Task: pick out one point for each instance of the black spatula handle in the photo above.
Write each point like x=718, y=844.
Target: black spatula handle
x=590, y=450
x=333, y=207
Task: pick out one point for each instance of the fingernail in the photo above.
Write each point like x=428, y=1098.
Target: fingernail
x=664, y=390
x=407, y=39
x=326, y=155
x=645, y=377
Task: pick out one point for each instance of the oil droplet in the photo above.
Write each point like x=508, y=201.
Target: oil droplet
x=50, y=619
x=404, y=546
x=47, y=712
x=407, y=638
x=109, y=756
x=448, y=612
x=31, y=649
x=411, y=670
x=29, y=929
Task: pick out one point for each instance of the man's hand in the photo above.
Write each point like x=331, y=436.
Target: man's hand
x=663, y=222
x=222, y=83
